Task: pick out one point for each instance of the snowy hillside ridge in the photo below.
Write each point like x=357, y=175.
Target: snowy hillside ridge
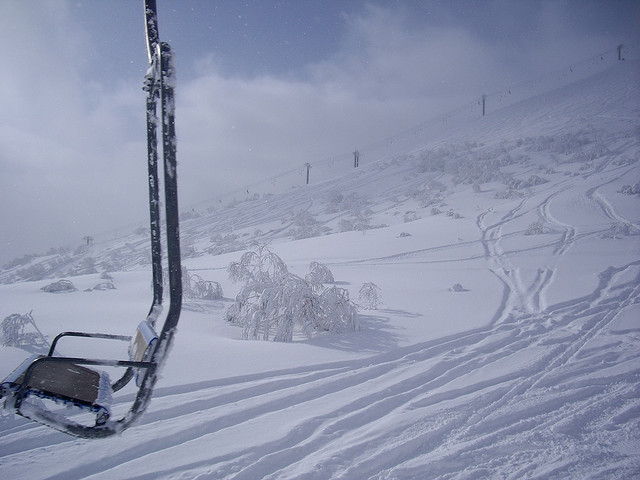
x=432, y=172
x=506, y=345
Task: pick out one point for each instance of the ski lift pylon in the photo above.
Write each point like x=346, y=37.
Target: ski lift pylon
x=71, y=381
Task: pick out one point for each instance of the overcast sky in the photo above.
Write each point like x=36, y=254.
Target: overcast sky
x=263, y=86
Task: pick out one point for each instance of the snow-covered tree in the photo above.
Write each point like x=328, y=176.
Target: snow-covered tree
x=15, y=331
x=259, y=265
x=305, y=225
x=369, y=296
x=259, y=269
x=319, y=274
x=194, y=286
x=274, y=302
x=274, y=313
x=338, y=313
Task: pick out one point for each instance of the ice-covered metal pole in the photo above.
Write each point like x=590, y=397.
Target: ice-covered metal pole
x=152, y=87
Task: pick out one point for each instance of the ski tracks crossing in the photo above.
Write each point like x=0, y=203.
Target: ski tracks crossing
x=425, y=409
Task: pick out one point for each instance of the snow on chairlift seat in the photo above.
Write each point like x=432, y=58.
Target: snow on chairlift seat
x=70, y=383
x=63, y=382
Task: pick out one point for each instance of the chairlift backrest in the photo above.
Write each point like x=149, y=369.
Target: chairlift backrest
x=62, y=381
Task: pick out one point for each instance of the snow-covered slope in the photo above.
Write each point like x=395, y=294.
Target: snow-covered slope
x=531, y=370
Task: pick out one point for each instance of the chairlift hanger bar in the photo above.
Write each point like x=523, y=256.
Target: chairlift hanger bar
x=151, y=28
x=158, y=85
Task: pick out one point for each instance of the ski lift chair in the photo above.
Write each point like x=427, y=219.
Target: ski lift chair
x=72, y=381
x=67, y=380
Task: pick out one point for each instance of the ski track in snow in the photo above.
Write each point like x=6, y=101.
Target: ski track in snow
x=441, y=400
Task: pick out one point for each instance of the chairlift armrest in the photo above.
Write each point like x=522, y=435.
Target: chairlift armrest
x=106, y=336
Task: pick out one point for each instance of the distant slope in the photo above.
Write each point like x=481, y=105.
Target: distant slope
x=585, y=121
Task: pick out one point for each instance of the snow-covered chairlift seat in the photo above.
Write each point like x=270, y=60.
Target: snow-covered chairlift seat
x=68, y=381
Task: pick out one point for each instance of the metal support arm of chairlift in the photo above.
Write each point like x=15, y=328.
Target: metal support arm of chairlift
x=159, y=85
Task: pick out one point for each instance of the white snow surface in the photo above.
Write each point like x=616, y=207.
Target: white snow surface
x=530, y=371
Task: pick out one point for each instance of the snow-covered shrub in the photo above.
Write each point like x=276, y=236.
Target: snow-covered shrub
x=337, y=202
x=619, y=230
x=319, y=274
x=102, y=286
x=306, y=226
x=34, y=272
x=86, y=266
x=206, y=289
x=188, y=249
x=431, y=161
x=410, y=216
x=61, y=286
x=457, y=287
x=508, y=194
x=273, y=302
x=16, y=262
x=259, y=269
x=14, y=334
x=194, y=286
x=536, y=228
x=278, y=309
x=260, y=266
x=337, y=313
x=225, y=244
x=369, y=296
x=532, y=181
x=334, y=201
x=566, y=144
x=358, y=221
x=631, y=189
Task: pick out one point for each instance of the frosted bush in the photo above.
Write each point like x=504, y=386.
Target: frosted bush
x=619, y=230
x=631, y=189
x=517, y=184
x=208, y=290
x=14, y=334
x=337, y=313
x=61, y=286
x=306, y=226
x=508, y=194
x=225, y=244
x=334, y=201
x=319, y=274
x=369, y=296
x=102, y=286
x=194, y=286
x=536, y=228
x=410, y=216
x=273, y=314
x=273, y=303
